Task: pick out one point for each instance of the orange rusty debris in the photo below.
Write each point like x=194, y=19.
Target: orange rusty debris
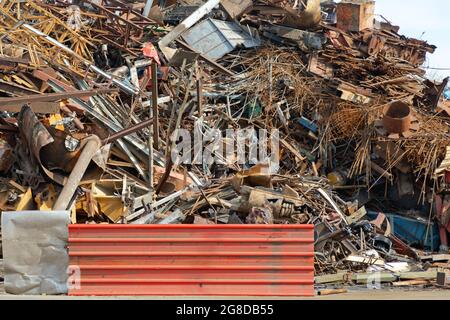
x=225, y=147
x=220, y=260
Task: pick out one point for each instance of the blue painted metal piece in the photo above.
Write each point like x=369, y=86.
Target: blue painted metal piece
x=447, y=94
x=308, y=124
x=412, y=231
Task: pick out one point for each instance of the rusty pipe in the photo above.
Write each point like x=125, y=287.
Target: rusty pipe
x=92, y=145
x=127, y=131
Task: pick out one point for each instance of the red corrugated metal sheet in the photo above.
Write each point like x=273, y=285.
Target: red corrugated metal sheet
x=221, y=260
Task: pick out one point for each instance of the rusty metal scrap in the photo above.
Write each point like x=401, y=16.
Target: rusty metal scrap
x=119, y=25
x=94, y=94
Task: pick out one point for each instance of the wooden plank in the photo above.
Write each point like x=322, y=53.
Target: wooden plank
x=292, y=150
x=410, y=283
x=441, y=257
x=17, y=186
x=443, y=265
x=429, y=275
x=330, y=278
x=436, y=258
x=362, y=278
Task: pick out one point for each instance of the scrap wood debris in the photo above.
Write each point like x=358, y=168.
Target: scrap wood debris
x=93, y=91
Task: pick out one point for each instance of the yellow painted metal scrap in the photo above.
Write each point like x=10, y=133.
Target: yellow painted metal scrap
x=14, y=13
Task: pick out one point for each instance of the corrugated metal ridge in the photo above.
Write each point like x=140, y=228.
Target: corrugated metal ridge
x=195, y=281
x=134, y=267
x=151, y=240
x=190, y=254
x=193, y=260
x=193, y=226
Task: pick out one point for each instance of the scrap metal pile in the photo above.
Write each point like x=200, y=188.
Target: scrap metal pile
x=93, y=92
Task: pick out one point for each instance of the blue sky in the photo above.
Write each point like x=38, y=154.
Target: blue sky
x=423, y=19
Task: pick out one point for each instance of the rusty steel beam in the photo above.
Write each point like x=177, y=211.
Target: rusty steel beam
x=46, y=76
x=127, y=131
x=36, y=107
x=154, y=72
x=49, y=97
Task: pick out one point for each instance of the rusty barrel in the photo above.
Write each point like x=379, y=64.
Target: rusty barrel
x=397, y=117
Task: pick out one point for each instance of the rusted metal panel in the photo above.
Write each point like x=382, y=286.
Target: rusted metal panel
x=355, y=15
x=221, y=260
